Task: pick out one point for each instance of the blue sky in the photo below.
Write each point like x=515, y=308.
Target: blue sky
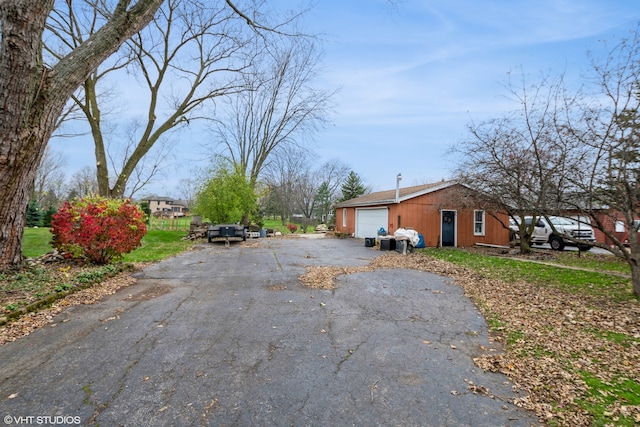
x=413, y=73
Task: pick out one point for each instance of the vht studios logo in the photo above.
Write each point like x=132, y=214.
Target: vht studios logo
x=42, y=420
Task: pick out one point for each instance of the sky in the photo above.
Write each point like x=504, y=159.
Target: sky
x=412, y=74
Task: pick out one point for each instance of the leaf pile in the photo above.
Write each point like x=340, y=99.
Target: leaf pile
x=31, y=321
x=568, y=351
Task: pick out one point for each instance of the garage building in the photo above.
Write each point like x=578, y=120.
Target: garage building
x=442, y=212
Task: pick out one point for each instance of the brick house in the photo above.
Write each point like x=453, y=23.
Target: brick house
x=436, y=211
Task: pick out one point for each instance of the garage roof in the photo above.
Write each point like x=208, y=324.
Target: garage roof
x=389, y=196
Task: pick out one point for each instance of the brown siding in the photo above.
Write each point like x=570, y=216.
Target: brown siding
x=351, y=221
x=423, y=215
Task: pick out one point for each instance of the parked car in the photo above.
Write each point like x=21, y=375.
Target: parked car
x=566, y=230
x=514, y=230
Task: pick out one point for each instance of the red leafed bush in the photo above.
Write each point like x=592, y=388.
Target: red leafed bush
x=97, y=229
x=292, y=227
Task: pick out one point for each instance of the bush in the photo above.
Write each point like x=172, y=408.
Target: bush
x=292, y=227
x=98, y=230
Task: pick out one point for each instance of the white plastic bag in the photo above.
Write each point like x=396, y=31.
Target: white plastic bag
x=412, y=235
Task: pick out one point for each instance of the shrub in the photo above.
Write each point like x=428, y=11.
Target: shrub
x=292, y=227
x=97, y=229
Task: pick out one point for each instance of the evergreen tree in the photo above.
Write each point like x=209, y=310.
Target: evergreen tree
x=34, y=215
x=352, y=187
x=323, y=202
x=144, y=207
x=48, y=214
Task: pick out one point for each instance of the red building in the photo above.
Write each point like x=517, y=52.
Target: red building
x=434, y=210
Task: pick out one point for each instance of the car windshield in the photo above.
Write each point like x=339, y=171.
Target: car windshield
x=556, y=220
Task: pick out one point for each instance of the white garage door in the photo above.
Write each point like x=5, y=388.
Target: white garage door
x=369, y=221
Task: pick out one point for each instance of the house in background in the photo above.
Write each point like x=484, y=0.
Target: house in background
x=166, y=206
x=613, y=221
x=436, y=211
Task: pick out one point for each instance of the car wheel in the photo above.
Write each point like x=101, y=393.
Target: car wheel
x=556, y=243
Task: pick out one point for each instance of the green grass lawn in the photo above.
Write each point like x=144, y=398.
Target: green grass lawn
x=43, y=284
x=576, y=281
x=594, y=262
x=598, y=292
x=156, y=244
x=36, y=242
x=276, y=224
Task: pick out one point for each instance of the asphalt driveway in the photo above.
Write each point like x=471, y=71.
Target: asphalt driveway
x=229, y=336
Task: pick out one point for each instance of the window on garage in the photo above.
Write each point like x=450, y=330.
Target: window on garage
x=478, y=223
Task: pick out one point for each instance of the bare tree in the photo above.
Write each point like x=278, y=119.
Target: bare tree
x=83, y=183
x=606, y=186
x=333, y=172
x=34, y=93
x=34, y=96
x=187, y=57
x=151, y=165
x=572, y=154
x=305, y=192
x=278, y=109
x=187, y=190
x=281, y=178
x=316, y=190
x=49, y=179
x=331, y=176
x=516, y=162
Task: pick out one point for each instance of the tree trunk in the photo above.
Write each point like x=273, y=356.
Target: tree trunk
x=92, y=111
x=23, y=122
x=33, y=97
x=633, y=259
x=525, y=246
x=635, y=277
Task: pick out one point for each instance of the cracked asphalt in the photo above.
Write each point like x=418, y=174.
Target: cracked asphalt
x=230, y=337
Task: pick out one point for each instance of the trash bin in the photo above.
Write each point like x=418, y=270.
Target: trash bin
x=263, y=232
x=387, y=243
x=403, y=246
